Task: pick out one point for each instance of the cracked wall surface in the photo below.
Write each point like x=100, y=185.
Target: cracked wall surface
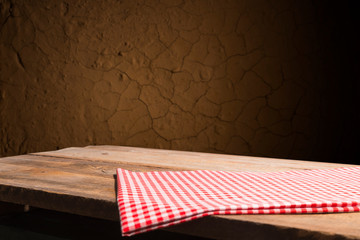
x=242, y=77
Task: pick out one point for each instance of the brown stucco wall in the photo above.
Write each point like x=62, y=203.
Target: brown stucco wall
x=245, y=77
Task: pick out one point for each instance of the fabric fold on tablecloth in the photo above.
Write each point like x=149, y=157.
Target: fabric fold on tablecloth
x=152, y=200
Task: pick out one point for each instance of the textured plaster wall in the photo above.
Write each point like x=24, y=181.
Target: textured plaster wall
x=245, y=77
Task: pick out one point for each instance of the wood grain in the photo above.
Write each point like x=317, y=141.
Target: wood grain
x=185, y=160
x=82, y=181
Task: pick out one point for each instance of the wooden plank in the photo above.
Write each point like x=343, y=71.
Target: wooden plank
x=52, y=180
x=344, y=224
x=59, y=201
x=180, y=160
x=81, y=181
x=84, y=166
x=55, y=189
x=269, y=227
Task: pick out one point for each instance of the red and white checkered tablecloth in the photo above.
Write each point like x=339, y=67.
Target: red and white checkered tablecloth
x=151, y=200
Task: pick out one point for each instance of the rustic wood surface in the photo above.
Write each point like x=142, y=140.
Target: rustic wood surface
x=82, y=181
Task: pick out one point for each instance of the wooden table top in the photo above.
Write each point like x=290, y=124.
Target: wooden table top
x=82, y=181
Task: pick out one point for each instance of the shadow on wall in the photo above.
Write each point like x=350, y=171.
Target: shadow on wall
x=264, y=78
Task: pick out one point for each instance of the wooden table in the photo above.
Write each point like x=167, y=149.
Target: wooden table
x=82, y=181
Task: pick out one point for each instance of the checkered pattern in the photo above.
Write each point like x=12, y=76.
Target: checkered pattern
x=151, y=200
